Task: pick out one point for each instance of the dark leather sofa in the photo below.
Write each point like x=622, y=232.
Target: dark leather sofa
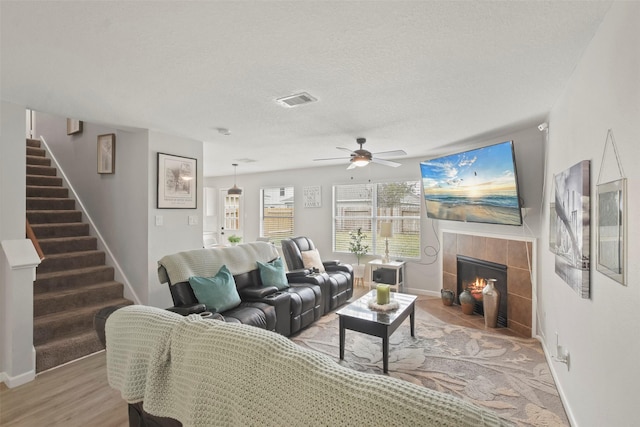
x=285, y=311
x=338, y=277
x=263, y=305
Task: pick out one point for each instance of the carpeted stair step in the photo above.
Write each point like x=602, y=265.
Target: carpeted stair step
x=33, y=142
x=53, y=217
x=53, y=326
x=58, y=245
x=41, y=170
x=45, y=191
x=44, y=180
x=71, y=261
x=35, y=151
x=77, y=278
x=74, y=229
x=50, y=203
x=65, y=349
x=71, y=299
x=38, y=160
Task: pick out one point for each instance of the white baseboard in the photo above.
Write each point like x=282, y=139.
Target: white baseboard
x=415, y=291
x=18, y=380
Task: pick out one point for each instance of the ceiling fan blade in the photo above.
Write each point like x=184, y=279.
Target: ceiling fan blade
x=352, y=166
x=332, y=158
x=345, y=149
x=386, y=162
x=393, y=153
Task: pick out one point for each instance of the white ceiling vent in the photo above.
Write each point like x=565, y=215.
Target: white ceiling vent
x=296, y=100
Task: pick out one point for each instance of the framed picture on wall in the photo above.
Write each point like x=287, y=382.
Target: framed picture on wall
x=611, y=242
x=573, y=226
x=312, y=196
x=553, y=227
x=107, y=153
x=177, y=182
x=74, y=126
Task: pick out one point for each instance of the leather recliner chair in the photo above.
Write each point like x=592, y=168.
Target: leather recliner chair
x=338, y=277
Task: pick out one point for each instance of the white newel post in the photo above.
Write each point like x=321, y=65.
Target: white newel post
x=20, y=261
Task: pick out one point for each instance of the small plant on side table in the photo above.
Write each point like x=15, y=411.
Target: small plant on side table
x=233, y=239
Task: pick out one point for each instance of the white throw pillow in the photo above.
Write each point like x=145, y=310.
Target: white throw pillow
x=311, y=259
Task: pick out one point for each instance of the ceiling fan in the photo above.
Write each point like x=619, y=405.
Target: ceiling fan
x=361, y=157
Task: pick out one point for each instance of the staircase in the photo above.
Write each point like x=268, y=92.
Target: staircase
x=72, y=282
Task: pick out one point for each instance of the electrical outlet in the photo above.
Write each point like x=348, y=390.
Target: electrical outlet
x=562, y=354
x=159, y=220
x=193, y=220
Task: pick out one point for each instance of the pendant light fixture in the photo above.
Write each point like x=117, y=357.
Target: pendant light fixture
x=234, y=191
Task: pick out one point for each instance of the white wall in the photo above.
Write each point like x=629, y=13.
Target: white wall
x=602, y=386
x=175, y=234
x=12, y=215
x=12, y=176
x=424, y=275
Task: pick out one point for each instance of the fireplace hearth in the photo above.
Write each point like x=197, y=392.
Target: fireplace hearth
x=472, y=273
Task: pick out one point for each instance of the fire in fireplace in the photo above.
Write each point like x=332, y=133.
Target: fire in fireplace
x=472, y=275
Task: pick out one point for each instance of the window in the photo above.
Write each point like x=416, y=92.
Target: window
x=366, y=206
x=232, y=212
x=276, y=221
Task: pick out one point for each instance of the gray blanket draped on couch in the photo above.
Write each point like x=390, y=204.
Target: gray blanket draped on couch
x=207, y=372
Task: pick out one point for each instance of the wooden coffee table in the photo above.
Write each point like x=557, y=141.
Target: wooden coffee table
x=358, y=317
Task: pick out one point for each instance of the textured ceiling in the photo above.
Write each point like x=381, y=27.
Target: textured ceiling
x=405, y=75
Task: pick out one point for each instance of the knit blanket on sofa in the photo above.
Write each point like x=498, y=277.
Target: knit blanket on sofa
x=208, y=373
x=239, y=259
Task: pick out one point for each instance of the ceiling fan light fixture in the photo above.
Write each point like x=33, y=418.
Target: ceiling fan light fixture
x=360, y=161
x=235, y=190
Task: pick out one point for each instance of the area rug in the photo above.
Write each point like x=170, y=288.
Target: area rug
x=506, y=374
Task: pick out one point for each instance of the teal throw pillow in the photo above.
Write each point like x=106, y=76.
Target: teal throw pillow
x=218, y=293
x=273, y=274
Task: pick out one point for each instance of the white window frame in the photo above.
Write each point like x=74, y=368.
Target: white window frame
x=375, y=218
x=276, y=190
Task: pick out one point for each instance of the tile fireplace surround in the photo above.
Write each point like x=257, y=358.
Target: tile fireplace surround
x=512, y=253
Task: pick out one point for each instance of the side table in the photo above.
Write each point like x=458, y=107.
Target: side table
x=398, y=266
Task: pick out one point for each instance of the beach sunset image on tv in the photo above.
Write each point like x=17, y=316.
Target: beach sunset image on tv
x=476, y=186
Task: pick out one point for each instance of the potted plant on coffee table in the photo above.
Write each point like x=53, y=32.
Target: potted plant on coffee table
x=234, y=240
x=359, y=249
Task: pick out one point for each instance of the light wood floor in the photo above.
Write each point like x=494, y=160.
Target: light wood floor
x=77, y=394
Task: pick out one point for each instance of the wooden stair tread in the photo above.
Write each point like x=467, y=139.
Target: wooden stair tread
x=64, y=292
x=64, y=239
x=57, y=224
x=73, y=254
x=64, y=340
x=88, y=310
x=71, y=272
x=51, y=211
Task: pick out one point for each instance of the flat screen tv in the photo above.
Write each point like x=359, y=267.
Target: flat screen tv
x=479, y=185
